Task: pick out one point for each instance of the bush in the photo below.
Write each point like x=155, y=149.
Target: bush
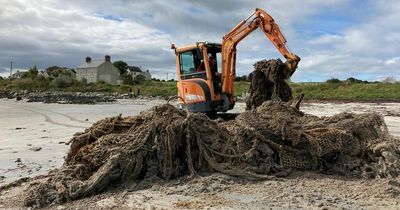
x=24, y=84
x=84, y=80
x=3, y=82
x=101, y=86
x=140, y=77
x=24, y=75
x=42, y=81
x=333, y=80
x=61, y=82
x=241, y=78
x=125, y=88
x=354, y=80
x=127, y=79
x=101, y=82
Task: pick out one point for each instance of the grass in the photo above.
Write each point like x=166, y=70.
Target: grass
x=346, y=91
x=340, y=91
x=156, y=88
x=148, y=88
x=312, y=91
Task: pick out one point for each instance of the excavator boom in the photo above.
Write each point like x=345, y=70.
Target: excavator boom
x=260, y=19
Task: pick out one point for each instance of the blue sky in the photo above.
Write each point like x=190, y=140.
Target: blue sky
x=334, y=38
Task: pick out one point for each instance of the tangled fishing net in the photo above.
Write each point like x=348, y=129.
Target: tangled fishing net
x=269, y=140
x=268, y=82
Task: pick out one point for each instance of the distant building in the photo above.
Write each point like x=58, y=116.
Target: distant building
x=18, y=74
x=43, y=73
x=138, y=74
x=96, y=70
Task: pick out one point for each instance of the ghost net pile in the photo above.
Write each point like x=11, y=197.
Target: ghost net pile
x=268, y=82
x=269, y=140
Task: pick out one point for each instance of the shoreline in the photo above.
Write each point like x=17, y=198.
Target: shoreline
x=73, y=97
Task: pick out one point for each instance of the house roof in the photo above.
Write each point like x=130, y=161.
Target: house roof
x=134, y=69
x=91, y=64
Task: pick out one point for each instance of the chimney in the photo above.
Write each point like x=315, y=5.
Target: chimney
x=88, y=59
x=107, y=58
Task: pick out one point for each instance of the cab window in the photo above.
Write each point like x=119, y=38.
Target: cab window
x=219, y=63
x=187, y=63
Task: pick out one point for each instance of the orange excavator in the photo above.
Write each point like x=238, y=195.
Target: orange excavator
x=206, y=71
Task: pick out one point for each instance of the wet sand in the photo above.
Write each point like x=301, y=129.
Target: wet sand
x=26, y=127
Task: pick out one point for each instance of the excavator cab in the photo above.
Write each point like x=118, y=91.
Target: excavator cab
x=199, y=78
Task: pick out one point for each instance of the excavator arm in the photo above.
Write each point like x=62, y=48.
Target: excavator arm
x=267, y=25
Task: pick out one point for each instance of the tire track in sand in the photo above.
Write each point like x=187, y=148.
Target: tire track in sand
x=69, y=117
x=49, y=120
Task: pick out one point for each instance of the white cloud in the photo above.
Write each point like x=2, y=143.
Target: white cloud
x=53, y=32
x=359, y=50
x=35, y=31
x=393, y=61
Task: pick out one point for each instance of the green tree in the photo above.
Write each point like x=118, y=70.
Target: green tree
x=57, y=71
x=122, y=66
x=127, y=79
x=241, y=78
x=51, y=70
x=333, y=80
x=33, y=72
x=354, y=80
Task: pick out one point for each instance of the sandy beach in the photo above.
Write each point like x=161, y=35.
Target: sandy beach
x=33, y=137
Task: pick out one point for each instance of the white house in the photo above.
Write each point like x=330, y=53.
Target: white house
x=96, y=70
x=18, y=74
